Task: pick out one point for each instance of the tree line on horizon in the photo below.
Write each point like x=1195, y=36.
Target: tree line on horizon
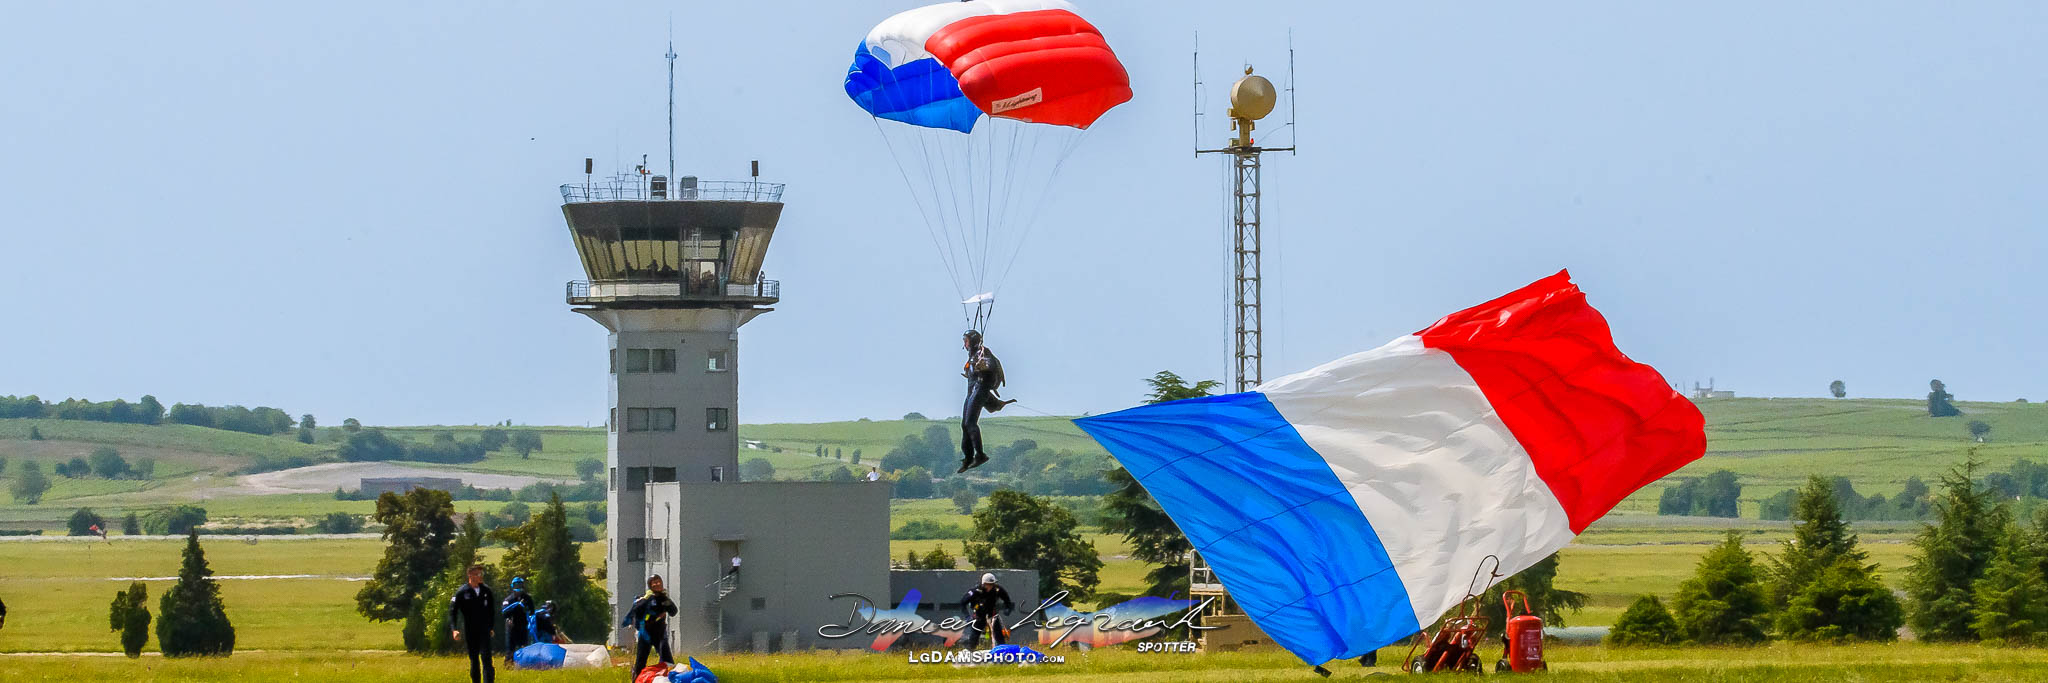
x=261, y=420
x=1978, y=574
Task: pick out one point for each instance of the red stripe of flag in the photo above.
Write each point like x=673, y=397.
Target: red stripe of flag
x=1598, y=425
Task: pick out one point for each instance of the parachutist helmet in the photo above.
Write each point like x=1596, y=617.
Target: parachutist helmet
x=972, y=337
x=518, y=583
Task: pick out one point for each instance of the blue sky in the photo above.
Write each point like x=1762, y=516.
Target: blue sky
x=350, y=209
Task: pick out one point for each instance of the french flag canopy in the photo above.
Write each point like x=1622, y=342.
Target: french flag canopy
x=1348, y=506
x=945, y=65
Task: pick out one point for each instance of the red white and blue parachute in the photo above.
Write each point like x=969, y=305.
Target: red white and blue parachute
x=980, y=103
x=945, y=65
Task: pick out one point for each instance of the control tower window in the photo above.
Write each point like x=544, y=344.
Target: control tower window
x=636, y=550
x=650, y=360
x=716, y=362
x=662, y=475
x=650, y=419
x=636, y=478
x=715, y=419
x=717, y=473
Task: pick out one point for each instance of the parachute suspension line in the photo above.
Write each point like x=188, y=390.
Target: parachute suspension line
x=930, y=229
x=973, y=206
x=939, y=201
x=1011, y=196
x=1031, y=222
x=962, y=221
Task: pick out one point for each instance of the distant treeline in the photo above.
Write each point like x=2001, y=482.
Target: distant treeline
x=262, y=420
x=1715, y=496
x=585, y=492
x=363, y=445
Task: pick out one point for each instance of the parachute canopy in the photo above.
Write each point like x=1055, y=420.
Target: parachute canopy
x=1349, y=505
x=980, y=104
x=945, y=65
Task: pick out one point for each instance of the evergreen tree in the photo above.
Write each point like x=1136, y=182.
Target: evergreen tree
x=1820, y=537
x=1820, y=580
x=35, y=433
x=1016, y=530
x=1723, y=603
x=544, y=553
x=462, y=552
x=1645, y=622
x=1843, y=602
x=418, y=527
x=131, y=525
x=129, y=615
x=2011, y=600
x=193, y=621
x=1953, y=553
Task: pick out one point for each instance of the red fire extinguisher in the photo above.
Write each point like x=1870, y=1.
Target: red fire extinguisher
x=1524, y=636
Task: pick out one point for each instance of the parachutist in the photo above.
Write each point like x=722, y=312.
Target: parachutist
x=979, y=604
x=649, y=617
x=984, y=375
x=517, y=610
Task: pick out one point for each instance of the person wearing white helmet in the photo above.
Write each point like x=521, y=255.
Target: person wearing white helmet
x=980, y=606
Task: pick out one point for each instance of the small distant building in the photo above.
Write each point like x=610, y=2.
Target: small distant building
x=377, y=486
x=754, y=445
x=1700, y=393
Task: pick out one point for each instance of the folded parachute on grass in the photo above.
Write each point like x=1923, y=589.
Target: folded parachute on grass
x=542, y=656
x=1349, y=505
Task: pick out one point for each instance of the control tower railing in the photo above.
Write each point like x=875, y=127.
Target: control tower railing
x=585, y=292
x=644, y=189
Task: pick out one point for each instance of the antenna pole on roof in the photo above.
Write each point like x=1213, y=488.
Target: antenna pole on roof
x=671, y=56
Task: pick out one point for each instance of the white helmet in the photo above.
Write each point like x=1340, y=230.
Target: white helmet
x=988, y=578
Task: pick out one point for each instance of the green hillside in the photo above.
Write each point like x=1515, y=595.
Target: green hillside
x=1771, y=444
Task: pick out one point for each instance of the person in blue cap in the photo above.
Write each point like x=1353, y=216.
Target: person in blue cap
x=518, y=607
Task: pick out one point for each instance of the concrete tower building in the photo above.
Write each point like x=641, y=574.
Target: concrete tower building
x=674, y=271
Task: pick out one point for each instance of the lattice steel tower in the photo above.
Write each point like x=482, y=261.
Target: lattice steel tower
x=1251, y=99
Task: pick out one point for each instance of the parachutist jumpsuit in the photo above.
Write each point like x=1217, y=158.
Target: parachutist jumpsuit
x=984, y=375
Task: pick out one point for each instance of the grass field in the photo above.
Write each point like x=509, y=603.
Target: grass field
x=57, y=590
x=1866, y=663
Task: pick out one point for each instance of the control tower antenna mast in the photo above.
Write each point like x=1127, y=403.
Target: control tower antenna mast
x=671, y=55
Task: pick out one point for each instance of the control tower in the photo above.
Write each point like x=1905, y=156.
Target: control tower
x=674, y=270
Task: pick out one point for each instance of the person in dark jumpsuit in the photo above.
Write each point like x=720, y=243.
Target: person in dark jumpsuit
x=475, y=611
x=518, y=606
x=984, y=375
x=649, y=617
x=980, y=606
